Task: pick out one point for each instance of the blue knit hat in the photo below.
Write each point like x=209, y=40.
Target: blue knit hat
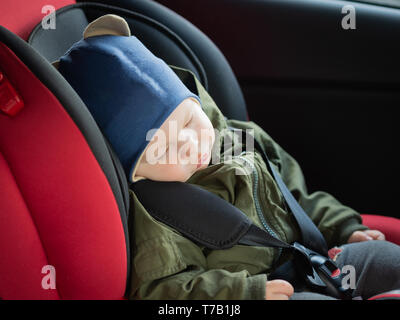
x=126, y=88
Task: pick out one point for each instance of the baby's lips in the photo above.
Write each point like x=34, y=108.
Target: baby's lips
x=202, y=159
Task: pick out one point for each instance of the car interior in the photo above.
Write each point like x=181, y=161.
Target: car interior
x=328, y=95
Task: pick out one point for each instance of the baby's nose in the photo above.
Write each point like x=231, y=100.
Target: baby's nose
x=190, y=136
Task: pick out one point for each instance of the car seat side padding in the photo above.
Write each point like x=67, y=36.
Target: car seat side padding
x=76, y=109
x=22, y=255
x=65, y=190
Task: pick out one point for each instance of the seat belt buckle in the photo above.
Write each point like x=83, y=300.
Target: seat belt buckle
x=322, y=274
x=10, y=101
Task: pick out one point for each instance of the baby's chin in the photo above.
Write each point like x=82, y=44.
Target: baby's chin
x=200, y=167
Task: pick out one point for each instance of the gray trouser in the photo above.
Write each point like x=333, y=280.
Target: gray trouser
x=376, y=265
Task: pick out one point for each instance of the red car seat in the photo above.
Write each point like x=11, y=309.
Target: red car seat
x=63, y=199
x=179, y=43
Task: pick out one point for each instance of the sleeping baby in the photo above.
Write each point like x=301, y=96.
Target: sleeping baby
x=161, y=130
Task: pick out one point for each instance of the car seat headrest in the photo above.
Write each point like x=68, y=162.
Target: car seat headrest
x=165, y=33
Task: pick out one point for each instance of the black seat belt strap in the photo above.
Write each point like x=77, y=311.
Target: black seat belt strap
x=210, y=221
x=311, y=236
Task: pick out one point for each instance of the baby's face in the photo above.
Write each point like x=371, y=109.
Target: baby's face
x=180, y=147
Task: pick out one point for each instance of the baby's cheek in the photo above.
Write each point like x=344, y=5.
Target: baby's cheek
x=165, y=172
x=175, y=172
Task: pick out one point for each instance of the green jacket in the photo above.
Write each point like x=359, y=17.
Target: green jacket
x=167, y=265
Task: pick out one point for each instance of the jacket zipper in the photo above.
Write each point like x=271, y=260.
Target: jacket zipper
x=257, y=202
